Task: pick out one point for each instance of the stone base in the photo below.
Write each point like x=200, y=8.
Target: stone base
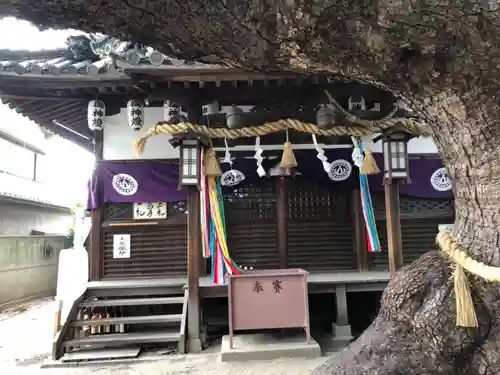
x=342, y=336
x=194, y=345
x=248, y=347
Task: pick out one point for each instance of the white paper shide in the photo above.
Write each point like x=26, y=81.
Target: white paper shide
x=121, y=246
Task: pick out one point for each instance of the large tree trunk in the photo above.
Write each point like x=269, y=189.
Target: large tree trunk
x=415, y=331
x=417, y=47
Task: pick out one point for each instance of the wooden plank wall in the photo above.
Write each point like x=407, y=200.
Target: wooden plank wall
x=315, y=231
x=419, y=225
x=156, y=250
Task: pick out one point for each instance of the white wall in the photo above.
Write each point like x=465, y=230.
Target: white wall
x=20, y=219
x=119, y=139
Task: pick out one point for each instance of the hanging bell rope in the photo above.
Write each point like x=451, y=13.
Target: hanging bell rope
x=288, y=158
x=413, y=126
x=369, y=165
x=466, y=314
x=212, y=166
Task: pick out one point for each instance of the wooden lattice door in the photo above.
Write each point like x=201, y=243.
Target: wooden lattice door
x=250, y=212
x=319, y=227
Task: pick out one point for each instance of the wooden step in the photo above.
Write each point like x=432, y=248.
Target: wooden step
x=171, y=318
x=125, y=338
x=132, y=302
x=100, y=354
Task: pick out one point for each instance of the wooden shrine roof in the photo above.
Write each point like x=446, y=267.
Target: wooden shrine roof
x=53, y=87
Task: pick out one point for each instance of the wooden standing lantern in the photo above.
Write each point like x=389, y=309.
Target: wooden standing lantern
x=395, y=147
x=190, y=162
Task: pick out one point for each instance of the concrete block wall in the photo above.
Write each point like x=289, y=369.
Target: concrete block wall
x=28, y=266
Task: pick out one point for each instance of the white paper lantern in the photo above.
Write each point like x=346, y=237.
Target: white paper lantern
x=171, y=112
x=135, y=114
x=95, y=114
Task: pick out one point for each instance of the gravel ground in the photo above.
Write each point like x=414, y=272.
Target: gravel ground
x=25, y=340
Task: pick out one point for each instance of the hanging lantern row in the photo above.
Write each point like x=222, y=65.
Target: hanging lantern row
x=172, y=113
x=97, y=110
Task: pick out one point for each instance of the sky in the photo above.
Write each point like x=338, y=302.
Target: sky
x=63, y=154
x=28, y=37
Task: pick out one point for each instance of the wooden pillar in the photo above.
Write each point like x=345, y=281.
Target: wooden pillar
x=194, y=254
x=393, y=217
x=95, y=252
x=194, y=251
x=281, y=215
x=359, y=231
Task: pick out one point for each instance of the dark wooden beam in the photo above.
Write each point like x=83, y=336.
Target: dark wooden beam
x=393, y=217
x=95, y=251
x=234, y=92
x=359, y=231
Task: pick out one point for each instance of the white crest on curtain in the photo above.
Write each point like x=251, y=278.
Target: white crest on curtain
x=440, y=180
x=340, y=170
x=125, y=184
x=232, y=177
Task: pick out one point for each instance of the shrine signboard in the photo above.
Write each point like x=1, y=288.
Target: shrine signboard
x=150, y=210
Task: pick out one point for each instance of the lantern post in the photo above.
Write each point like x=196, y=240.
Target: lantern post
x=189, y=177
x=396, y=169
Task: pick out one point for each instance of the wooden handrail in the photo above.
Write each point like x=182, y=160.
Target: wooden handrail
x=182, y=341
x=60, y=335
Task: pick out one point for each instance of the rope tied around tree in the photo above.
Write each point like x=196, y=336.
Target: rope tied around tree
x=466, y=314
x=413, y=126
